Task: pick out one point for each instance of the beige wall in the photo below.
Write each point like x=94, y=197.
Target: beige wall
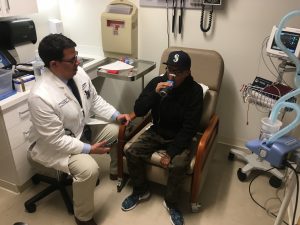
x=238, y=32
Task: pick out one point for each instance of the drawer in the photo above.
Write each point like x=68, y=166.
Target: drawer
x=18, y=135
x=16, y=114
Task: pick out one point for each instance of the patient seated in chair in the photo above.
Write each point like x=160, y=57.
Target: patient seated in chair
x=175, y=101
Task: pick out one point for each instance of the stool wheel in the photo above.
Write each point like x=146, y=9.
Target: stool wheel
x=31, y=208
x=275, y=182
x=242, y=176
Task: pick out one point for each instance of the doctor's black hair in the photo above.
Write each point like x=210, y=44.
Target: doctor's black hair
x=52, y=46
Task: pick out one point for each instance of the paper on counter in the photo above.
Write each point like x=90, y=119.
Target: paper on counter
x=117, y=65
x=26, y=52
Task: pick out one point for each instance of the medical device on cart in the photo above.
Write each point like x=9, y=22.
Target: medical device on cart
x=275, y=147
x=279, y=148
x=272, y=147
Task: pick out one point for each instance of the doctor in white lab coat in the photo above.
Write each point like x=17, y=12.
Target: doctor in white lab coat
x=59, y=136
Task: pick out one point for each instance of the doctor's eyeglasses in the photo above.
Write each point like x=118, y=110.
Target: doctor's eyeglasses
x=72, y=60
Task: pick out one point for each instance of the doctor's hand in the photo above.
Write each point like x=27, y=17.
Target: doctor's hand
x=99, y=148
x=124, y=119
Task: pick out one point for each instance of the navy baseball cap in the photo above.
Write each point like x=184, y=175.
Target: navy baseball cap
x=179, y=59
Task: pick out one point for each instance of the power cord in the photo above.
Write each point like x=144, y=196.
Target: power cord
x=263, y=58
x=249, y=190
x=263, y=46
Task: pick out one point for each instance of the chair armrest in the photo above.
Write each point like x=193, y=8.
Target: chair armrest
x=202, y=153
x=122, y=127
x=123, y=138
x=209, y=133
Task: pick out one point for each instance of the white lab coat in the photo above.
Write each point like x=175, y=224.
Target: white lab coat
x=54, y=109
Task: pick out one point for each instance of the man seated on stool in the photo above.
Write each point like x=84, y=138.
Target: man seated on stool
x=60, y=104
x=175, y=101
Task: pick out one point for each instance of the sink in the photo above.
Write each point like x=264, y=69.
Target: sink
x=84, y=60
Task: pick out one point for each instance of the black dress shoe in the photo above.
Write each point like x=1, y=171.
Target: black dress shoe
x=113, y=176
x=89, y=222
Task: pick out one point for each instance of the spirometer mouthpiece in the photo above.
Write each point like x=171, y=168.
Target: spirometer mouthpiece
x=165, y=91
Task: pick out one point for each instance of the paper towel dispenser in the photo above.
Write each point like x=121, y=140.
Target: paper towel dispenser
x=119, y=25
x=16, y=31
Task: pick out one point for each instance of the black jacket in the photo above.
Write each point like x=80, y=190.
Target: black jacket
x=176, y=116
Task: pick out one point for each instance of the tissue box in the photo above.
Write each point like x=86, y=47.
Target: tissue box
x=24, y=83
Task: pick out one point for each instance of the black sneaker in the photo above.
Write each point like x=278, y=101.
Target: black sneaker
x=132, y=200
x=176, y=217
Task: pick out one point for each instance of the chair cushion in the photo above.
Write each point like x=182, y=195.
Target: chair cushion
x=156, y=156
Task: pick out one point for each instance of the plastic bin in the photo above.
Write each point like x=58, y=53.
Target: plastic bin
x=6, y=88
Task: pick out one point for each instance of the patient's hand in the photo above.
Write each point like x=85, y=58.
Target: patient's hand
x=162, y=85
x=165, y=160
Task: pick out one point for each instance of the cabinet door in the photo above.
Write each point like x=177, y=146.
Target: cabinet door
x=17, y=7
x=1, y=8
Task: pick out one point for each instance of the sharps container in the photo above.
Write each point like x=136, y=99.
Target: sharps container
x=268, y=128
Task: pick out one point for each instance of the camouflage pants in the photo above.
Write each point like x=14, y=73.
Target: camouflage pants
x=141, y=151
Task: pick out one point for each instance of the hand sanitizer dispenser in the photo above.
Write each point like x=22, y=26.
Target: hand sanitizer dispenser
x=119, y=25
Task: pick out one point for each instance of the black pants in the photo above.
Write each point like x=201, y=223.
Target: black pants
x=141, y=151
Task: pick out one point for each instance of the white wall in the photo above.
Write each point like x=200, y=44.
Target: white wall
x=238, y=32
x=47, y=9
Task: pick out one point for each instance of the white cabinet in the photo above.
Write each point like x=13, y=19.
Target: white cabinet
x=17, y=7
x=15, y=170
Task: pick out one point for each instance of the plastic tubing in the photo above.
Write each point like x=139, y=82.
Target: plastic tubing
x=283, y=48
x=289, y=127
x=281, y=103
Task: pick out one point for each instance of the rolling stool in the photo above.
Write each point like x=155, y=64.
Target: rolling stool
x=60, y=183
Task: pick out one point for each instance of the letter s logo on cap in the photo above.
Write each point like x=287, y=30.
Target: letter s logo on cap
x=176, y=58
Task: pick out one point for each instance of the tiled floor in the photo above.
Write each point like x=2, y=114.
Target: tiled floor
x=224, y=198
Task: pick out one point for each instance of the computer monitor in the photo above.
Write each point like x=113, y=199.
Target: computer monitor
x=290, y=38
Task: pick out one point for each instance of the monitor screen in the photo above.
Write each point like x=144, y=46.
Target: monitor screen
x=290, y=38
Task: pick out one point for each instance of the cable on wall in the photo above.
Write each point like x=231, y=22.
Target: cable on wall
x=209, y=20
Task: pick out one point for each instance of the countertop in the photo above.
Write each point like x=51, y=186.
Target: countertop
x=86, y=52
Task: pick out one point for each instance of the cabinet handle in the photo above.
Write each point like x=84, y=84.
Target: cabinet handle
x=23, y=112
x=7, y=6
